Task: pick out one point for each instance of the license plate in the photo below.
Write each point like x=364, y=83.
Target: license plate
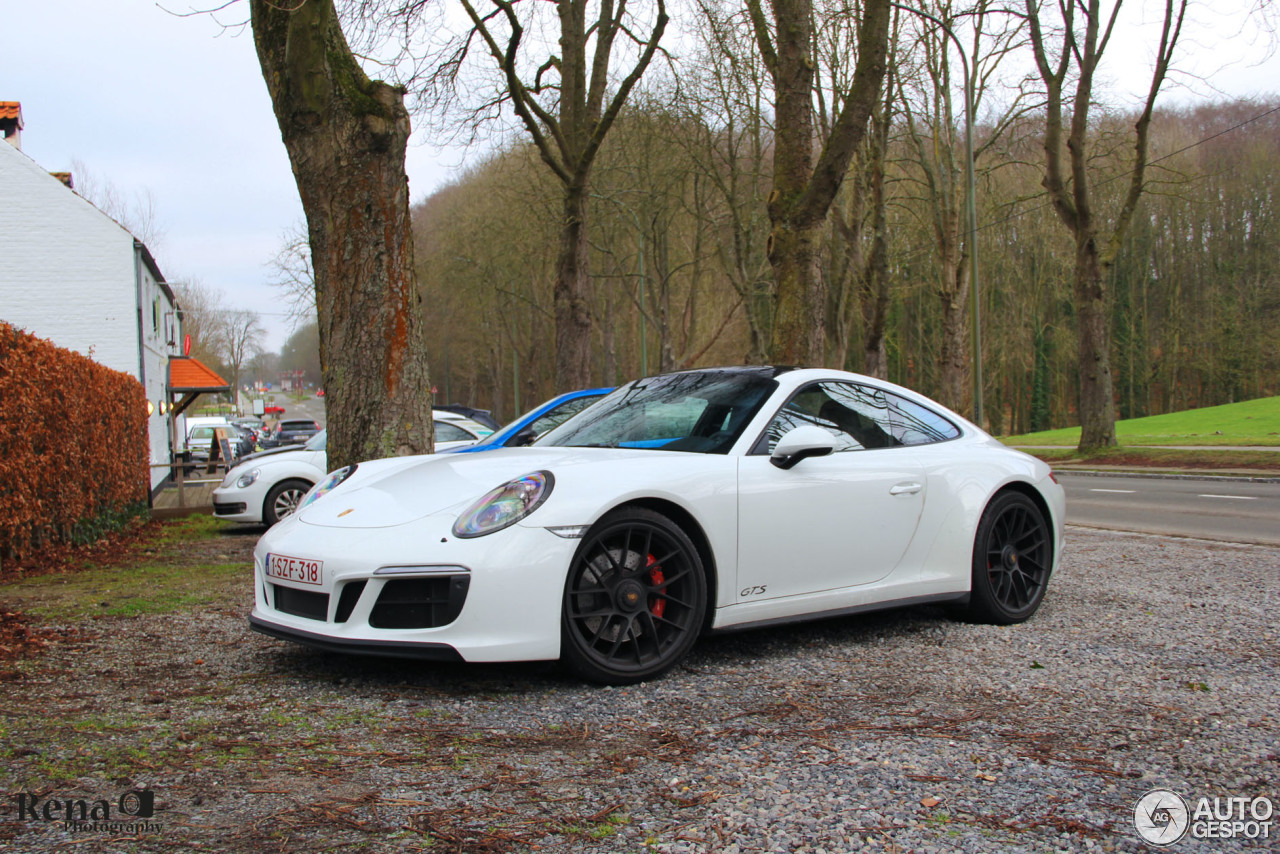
x=297, y=569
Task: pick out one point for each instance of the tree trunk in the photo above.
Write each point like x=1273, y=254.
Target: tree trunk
x=954, y=356
x=805, y=182
x=798, y=334
x=346, y=137
x=1097, y=402
x=573, y=296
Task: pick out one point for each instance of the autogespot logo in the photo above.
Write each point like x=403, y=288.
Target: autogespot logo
x=1162, y=817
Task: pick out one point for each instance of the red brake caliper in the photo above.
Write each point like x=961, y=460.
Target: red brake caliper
x=657, y=606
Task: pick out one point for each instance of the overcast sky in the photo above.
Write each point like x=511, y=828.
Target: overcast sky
x=177, y=107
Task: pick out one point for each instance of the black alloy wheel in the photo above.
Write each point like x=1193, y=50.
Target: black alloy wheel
x=1012, y=560
x=634, y=601
x=283, y=500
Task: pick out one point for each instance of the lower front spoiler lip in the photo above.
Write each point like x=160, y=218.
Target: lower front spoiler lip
x=385, y=649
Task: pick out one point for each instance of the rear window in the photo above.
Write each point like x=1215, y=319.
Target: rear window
x=297, y=425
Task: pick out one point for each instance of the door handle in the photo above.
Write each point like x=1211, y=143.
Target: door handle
x=906, y=489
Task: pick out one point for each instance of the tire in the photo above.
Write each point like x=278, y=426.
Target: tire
x=283, y=500
x=634, y=601
x=1012, y=561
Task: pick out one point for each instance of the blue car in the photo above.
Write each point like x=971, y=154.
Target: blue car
x=536, y=421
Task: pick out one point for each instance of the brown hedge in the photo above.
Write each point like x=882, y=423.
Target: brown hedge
x=73, y=444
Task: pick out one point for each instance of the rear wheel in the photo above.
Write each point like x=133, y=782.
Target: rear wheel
x=634, y=601
x=283, y=500
x=1012, y=560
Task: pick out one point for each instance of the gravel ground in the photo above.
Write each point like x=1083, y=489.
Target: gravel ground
x=1152, y=664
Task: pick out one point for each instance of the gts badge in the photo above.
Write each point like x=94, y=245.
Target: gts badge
x=758, y=590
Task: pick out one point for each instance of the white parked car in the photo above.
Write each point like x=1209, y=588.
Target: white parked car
x=267, y=486
x=690, y=502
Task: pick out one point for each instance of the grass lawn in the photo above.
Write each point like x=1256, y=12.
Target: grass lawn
x=1253, y=422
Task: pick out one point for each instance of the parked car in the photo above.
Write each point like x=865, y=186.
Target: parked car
x=200, y=440
x=266, y=486
x=537, y=421
x=483, y=416
x=200, y=433
x=291, y=432
x=703, y=500
x=253, y=425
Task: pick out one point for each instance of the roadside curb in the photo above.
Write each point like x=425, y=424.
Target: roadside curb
x=1235, y=478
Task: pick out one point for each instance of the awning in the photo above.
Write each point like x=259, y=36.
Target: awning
x=191, y=378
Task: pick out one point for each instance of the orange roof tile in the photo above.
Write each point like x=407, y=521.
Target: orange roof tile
x=187, y=374
x=11, y=110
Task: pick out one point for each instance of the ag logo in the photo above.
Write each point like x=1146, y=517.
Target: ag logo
x=1161, y=817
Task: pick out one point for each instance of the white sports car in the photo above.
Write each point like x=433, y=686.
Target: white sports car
x=690, y=502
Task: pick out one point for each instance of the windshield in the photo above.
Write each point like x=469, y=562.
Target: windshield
x=318, y=442
x=553, y=417
x=700, y=411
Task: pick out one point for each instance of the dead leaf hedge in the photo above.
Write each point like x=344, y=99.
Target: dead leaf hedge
x=73, y=445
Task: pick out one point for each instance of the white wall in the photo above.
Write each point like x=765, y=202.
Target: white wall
x=70, y=273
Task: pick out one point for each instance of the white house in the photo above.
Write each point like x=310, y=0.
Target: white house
x=75, y=276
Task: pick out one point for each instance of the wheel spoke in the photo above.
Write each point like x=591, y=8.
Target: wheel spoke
x=591, y=615
x=675, y=578
x=622, y=636
x=1035, y=564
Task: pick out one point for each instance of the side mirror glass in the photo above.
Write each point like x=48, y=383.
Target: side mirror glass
x=801, y=443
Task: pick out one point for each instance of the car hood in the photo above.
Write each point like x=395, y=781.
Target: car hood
x=388, y=492
x=282, y=449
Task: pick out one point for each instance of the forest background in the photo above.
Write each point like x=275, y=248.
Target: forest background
x=679, y=225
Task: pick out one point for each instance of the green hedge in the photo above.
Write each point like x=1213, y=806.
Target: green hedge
x=73, y=445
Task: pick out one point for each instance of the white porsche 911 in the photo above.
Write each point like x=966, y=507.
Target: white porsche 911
x=690, y=502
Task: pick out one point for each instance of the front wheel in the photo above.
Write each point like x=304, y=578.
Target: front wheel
x=1012, y=560
x=634, y=601
x=283, y=500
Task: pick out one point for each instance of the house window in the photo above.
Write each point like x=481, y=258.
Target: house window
x=155, y=315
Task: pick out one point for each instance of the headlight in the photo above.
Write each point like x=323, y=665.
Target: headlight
x=248, y=478
x=504, y=506
x=324, y=487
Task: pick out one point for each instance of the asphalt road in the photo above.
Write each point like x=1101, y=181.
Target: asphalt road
x=1227, y=509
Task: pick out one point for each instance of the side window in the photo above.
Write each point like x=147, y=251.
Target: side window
x=856, y=415
x=446, y=432
x=562, y=413
x=913, y=424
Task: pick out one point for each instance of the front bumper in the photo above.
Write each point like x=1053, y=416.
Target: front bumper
x=493, y=598
x=385, y=649
x=236, y=504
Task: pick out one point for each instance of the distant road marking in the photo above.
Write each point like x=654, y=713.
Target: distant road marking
x=1232, y=497
x=1121, y=491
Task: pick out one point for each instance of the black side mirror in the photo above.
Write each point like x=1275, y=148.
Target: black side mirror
x=524, y=437
x=801, y=444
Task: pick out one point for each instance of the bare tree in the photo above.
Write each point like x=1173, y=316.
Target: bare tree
x=201, y=307
x=241, y=340
x=135, y=211
x=935, y=123
x=291, y=272
x=563, y=100
x=1083, y=32
x=855, y=262
x=724, y=96
x=346, y=136
x=804, y=186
